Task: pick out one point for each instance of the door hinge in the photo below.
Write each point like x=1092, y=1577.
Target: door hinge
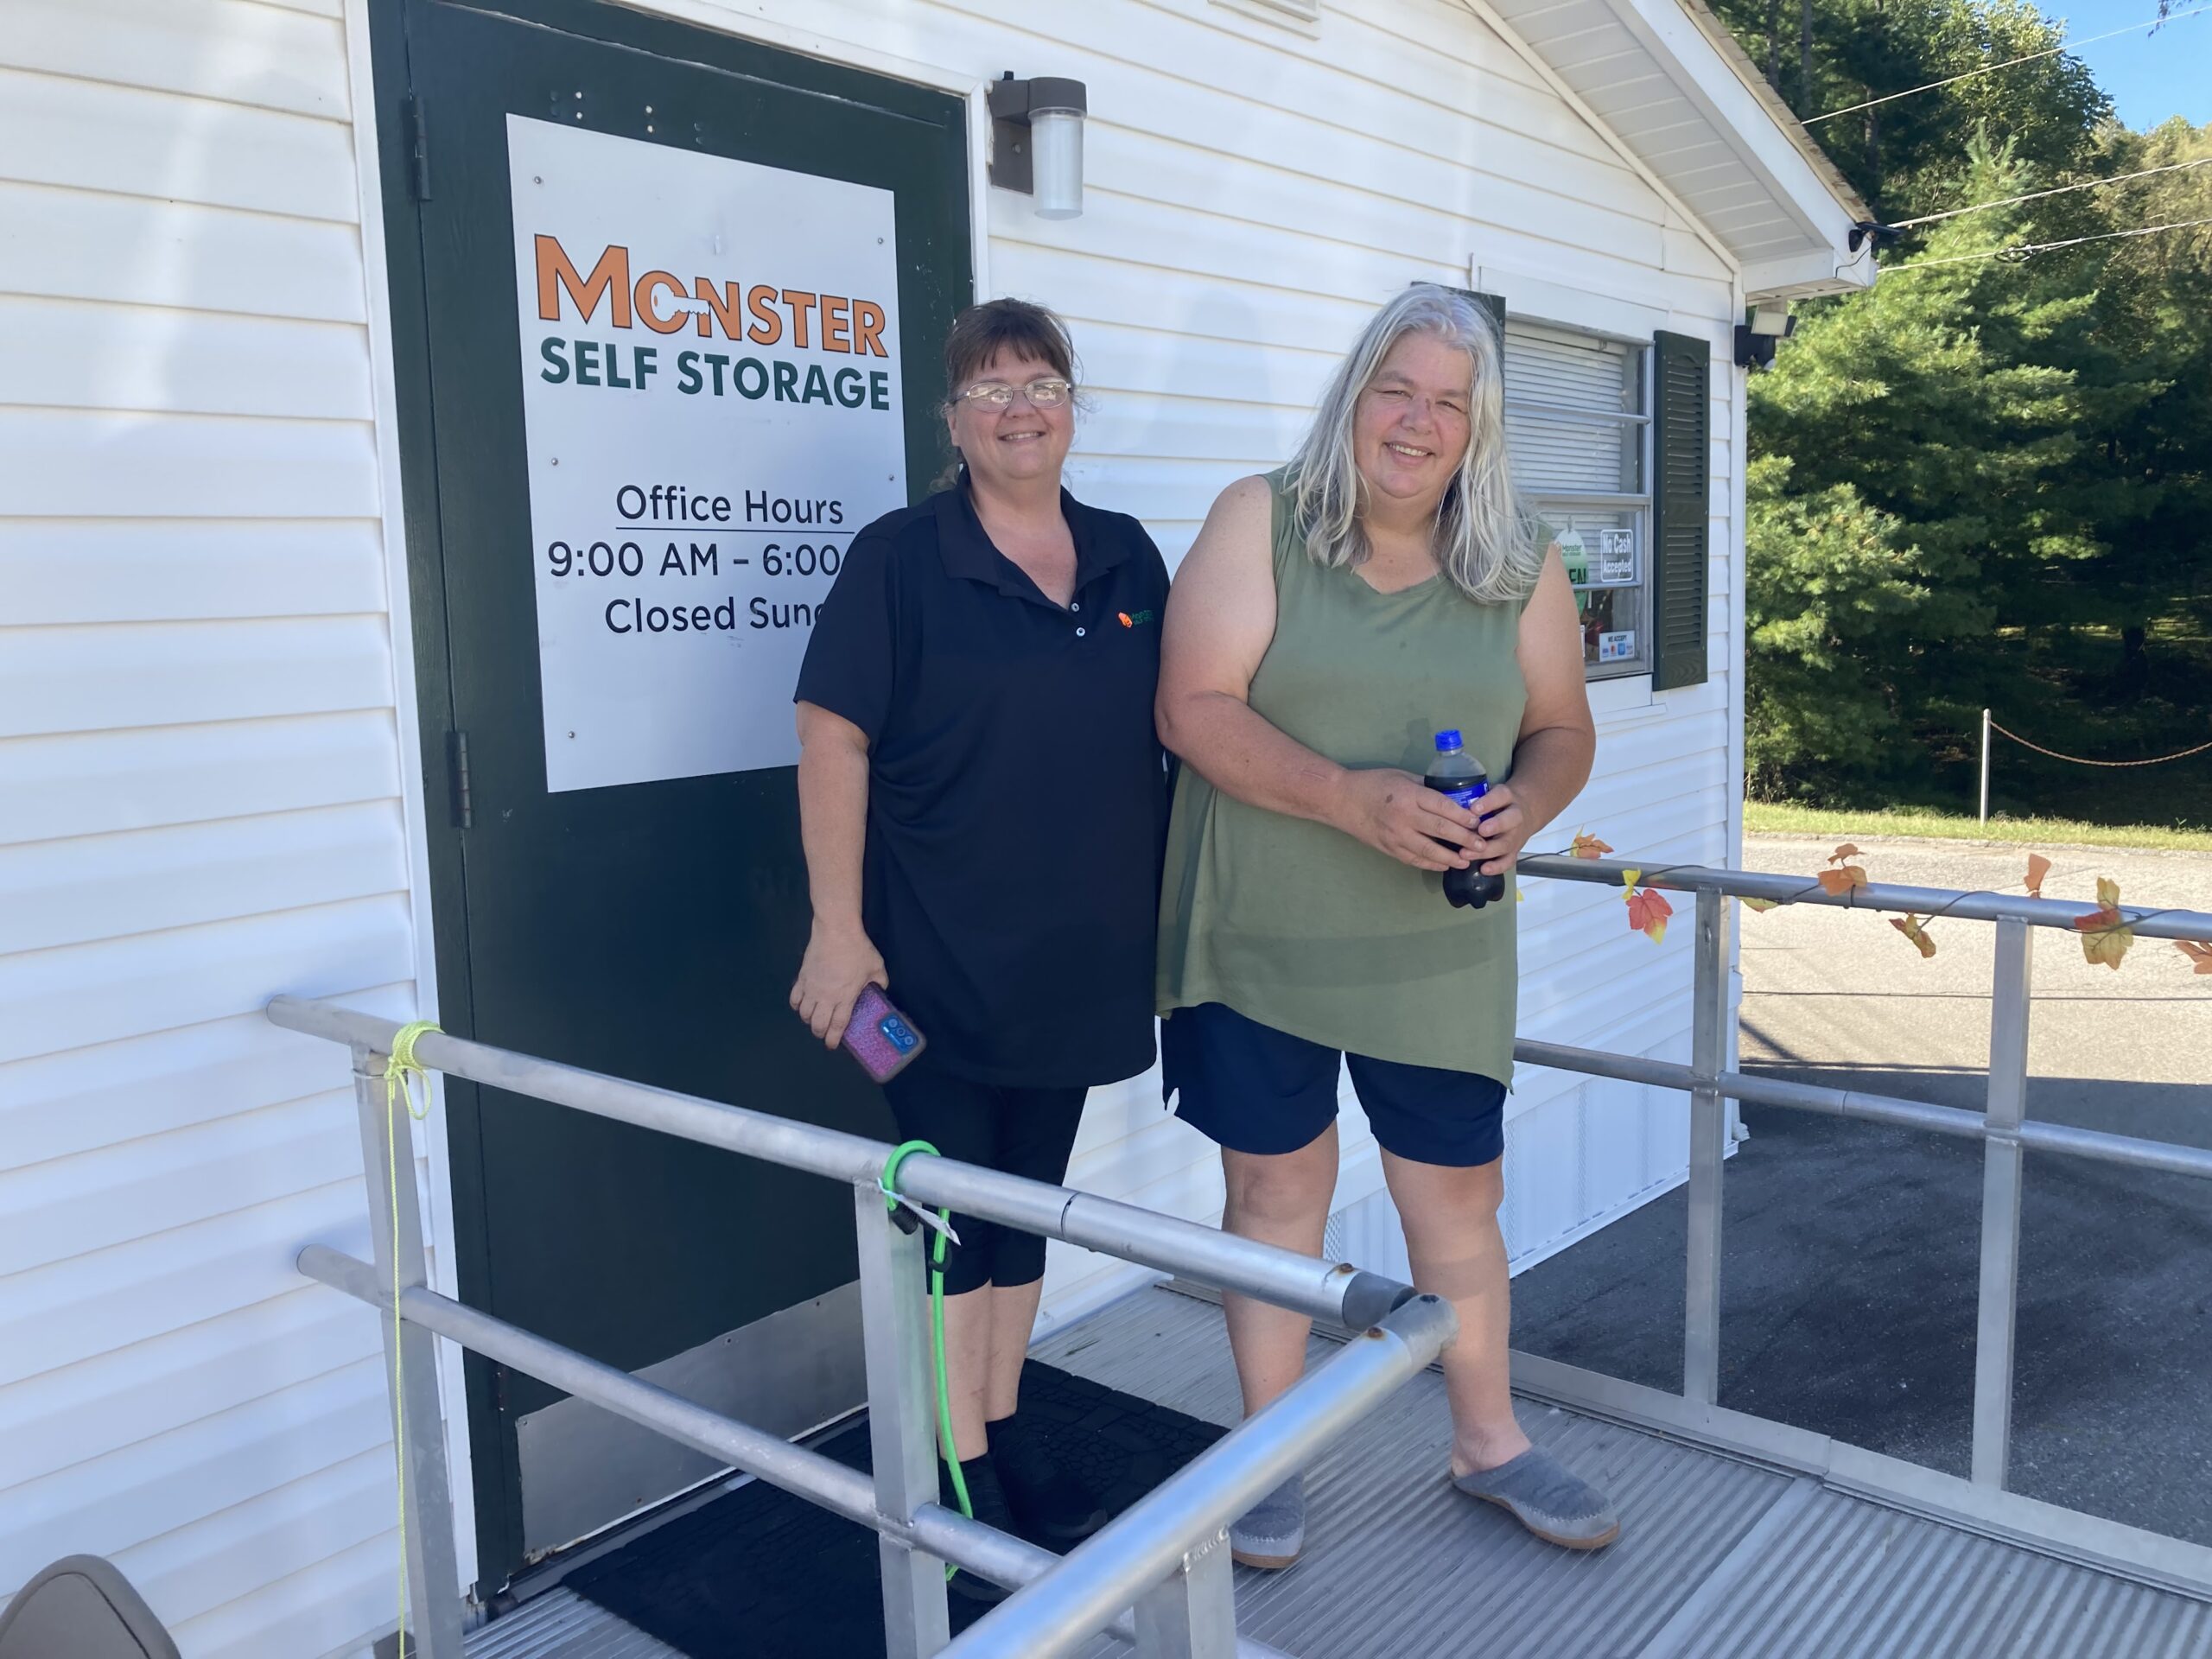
x=418, y=150
x=464, y=815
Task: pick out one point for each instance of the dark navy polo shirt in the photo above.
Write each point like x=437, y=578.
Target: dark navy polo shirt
x=1017, y=792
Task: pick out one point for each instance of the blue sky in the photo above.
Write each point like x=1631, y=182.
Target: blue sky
x=2149, y=77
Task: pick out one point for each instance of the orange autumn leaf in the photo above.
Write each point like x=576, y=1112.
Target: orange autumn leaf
x=1647, y=912
x=2104, y=934
x=1836, y=882
x=1586, y=845
x=2038, y=868
x=2198, y=952
x=1911, y=927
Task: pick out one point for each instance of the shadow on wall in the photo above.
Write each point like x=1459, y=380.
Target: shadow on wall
x=1171, y=428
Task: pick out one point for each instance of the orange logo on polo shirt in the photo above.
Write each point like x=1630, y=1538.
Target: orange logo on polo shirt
x=1138, y=620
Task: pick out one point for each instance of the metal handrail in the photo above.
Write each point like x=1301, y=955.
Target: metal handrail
x=1166, y=1558
x=1157, y=1575
x=2153, y=922
x=2099, y=1145
x=2002, y=1126
x=1336, y=1292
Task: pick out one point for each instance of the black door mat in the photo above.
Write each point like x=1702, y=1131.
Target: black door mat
x=760, y=1575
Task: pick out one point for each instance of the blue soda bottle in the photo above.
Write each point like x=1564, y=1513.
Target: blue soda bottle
x=1459, y=774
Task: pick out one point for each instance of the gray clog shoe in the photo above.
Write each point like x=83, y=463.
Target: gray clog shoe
x=1272, y=1533
x=1549, y=1499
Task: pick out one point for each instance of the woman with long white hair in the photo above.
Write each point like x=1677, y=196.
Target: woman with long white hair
x=1337, y=623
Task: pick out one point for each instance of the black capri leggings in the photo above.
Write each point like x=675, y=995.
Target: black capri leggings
x=1027, y=1132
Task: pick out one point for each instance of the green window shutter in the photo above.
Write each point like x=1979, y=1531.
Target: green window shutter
x=1682, y=489
x=1495, y=304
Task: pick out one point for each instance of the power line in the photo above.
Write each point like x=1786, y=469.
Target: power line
x=2026, y=249
x=1991, y=68
x=2057, y=190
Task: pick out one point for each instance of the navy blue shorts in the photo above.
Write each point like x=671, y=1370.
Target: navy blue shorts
x=1253, y=1088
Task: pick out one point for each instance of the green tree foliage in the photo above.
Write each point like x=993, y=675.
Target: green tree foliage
x=1987, y=481
x=1922, y=431
x=1905, y=155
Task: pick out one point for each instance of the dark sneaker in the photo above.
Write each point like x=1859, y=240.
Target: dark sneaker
x=987, y=1499
x=1544, y=1496
x=1051, y=1507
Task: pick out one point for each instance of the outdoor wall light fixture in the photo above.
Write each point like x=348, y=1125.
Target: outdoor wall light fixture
x=1881, y=235
x=1769, y=325
x=1037, y=141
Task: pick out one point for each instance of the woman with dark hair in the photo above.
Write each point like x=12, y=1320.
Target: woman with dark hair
x=983, y=797
x=1337, y=623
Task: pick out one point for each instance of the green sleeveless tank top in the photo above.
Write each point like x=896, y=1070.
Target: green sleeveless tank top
x=1298, y=926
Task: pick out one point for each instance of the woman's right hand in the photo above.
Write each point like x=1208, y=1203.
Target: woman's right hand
x=841, y=963
x=1398, y=815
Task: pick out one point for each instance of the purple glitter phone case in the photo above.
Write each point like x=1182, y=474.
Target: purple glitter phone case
x=879, y=1037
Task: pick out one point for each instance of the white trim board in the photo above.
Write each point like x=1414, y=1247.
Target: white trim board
x=407, y=718
x=1544, y=299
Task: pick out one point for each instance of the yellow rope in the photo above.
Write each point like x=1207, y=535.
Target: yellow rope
x=401, y=1068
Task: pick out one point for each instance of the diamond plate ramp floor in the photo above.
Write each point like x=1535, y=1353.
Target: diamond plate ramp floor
x=1398, y=1565
x=1719, y=1558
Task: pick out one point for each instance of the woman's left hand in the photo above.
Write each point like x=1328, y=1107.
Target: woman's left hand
x=1504, y=830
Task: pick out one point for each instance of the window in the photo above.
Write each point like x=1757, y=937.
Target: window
x=1578, y=431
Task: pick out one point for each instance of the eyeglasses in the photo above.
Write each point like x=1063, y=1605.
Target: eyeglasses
x=1049, y=393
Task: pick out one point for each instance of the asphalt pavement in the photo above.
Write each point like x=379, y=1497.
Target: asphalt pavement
x=1849, y=1276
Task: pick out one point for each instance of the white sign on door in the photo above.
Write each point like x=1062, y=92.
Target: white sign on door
x=711, y=400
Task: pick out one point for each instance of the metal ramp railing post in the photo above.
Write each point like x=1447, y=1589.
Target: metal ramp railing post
x=1193, y=1615
x=1708, y=1146
x=2003, y=1174
x=410, y=1360
x=1145, y=1557
x=902, y=1436
x=1165, y=1554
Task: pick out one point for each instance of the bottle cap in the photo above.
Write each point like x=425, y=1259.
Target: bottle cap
x=1447, y=741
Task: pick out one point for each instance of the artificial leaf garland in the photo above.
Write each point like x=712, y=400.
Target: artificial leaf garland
x=2105, y=934
x=1648, y=910
x=1847, y=876
x=1911, y=927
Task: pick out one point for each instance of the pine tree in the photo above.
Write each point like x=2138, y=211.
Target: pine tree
x=1905, y=447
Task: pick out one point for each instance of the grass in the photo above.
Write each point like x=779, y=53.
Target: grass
x=1913, y=823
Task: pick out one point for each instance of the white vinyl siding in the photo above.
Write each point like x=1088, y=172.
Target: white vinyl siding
x=201, y=777
x=199, y=806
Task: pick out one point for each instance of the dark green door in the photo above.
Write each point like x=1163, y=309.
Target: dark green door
x=647, y=927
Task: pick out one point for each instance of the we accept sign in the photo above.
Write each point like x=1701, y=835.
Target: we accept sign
x=711, y=404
